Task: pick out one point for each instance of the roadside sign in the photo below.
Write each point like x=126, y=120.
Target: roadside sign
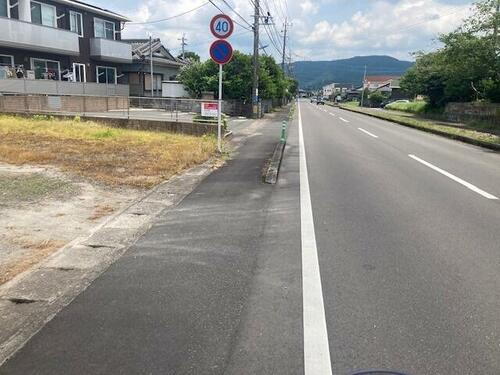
x=210, y=109
x=221, y=26
x=221, y=52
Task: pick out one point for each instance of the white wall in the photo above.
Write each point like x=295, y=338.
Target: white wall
x=174, y=89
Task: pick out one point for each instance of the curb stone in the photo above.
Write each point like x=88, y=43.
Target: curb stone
x=274, y=165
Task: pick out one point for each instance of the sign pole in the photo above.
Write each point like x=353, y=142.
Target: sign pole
x=221, y=53
x=219, y=114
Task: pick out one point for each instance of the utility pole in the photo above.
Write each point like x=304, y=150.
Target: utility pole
x=183, y=44
x=151, y=61
x=363, y=88
x=495, y=28
x=284, y=47
x=255, y=80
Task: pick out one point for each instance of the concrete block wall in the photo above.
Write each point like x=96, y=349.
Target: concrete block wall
x=77, y=104
x=476, y=111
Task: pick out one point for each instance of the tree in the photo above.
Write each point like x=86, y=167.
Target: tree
x=191, y=56
x=203, y=76
x=466, y=68
x=376, y=98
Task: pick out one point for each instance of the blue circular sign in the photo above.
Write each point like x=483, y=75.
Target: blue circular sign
x=221, y=51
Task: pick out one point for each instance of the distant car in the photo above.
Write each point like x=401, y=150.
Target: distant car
x=320, y=101
x=313, y=100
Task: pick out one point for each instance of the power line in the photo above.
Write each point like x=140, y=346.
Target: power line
x=235, y=12
x=169, y=18
x=236, y=22
x=209, y=40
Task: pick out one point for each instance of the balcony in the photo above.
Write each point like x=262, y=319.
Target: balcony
x=110, y=50
x=26, y=35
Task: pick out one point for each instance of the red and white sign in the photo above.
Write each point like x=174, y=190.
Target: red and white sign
x=209, y=109
x=221, y=26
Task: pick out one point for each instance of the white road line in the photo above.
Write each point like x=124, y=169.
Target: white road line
x=367, y=132
x=454, y=178
x=316, y=347
x=343, y=119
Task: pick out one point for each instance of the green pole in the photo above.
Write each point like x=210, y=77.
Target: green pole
x=283, y=132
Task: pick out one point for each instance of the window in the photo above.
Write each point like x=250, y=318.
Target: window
x=46, y=69
x=79, y=74
x=43, y=14
x=157, y=78
x=76, y=22
x=106, y=74
x=6, y=60
x=4, y=8
x=104, y=29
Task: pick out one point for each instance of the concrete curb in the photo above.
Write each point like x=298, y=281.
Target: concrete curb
x=475, y=142
x=33, y=298
x=275, y=164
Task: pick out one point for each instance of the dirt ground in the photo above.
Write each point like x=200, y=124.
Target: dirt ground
x=42, y=209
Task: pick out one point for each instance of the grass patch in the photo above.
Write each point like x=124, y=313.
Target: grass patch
x=432, y=126
x=353, y=104
x=113, y=156
x=411, y=107
x=29, y=188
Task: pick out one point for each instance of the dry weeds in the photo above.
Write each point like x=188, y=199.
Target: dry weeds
x=101, y=211
x=113, y=156
x=37, y=252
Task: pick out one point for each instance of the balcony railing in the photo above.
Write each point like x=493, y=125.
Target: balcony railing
x=26, y=35
x=110, y=50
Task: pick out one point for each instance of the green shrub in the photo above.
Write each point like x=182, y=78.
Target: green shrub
x=411, y=107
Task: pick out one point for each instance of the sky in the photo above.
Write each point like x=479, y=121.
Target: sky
x=319, y=29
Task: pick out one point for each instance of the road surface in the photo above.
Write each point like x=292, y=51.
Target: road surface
x=379, y=247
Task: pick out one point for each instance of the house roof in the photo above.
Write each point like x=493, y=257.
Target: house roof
x=141, y=50
x=93, y=8
x=381, y=78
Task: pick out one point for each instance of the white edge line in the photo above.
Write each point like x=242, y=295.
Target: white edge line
x=454, y=178
x=316, y=346
x=367, y=132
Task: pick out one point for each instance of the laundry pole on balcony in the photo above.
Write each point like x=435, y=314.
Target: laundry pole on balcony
x=24, y=10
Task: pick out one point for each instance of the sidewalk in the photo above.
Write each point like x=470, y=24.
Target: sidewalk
x=173, y=302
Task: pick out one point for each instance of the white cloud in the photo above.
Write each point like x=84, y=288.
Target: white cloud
x=382, y=27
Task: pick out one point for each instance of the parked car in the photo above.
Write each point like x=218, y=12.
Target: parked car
x=386, y=103
x=320, y=101
x=313, y=100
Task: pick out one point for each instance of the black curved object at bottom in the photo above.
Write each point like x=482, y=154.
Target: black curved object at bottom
x=377, y=372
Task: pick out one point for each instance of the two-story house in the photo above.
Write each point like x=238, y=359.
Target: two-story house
x=62, y=40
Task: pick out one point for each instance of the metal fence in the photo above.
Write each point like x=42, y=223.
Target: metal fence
x=112, y=107
x=124, y=107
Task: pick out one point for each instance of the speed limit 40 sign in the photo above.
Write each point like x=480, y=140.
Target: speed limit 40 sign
x=221, y=26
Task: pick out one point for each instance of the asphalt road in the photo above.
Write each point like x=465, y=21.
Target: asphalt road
x=379, y=247
x=409, y=257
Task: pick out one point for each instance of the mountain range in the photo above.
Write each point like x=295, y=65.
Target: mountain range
x=316, y=74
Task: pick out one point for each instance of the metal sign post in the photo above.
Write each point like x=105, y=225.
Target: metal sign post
x=221, y=52
x=219, y=114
